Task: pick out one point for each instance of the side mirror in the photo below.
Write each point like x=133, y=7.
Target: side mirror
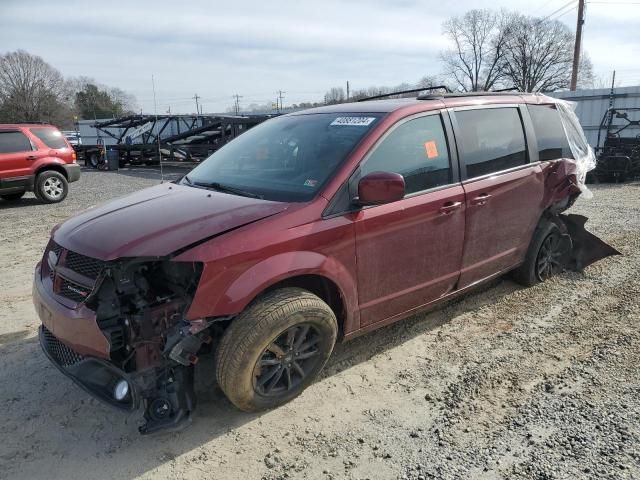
x=377, y=188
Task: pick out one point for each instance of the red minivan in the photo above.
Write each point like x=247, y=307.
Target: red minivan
x=311, y=227
x=35, y=157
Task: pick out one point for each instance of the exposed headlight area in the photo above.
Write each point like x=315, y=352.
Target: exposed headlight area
x=139, y=306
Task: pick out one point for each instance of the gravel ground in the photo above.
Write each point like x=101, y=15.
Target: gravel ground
x=506, y=383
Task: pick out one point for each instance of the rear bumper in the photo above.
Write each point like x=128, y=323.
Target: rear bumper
x=73, y=171
x=76, y=328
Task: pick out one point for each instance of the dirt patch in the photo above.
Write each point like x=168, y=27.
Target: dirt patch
x=505, y=383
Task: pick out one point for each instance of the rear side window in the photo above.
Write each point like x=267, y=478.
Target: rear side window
x=492, y=140
x=51, y=137
x=417, y=150
x=552, y=141
x=14, y=142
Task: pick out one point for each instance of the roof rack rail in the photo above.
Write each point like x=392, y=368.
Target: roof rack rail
x=509, y=89
x=467, y=94
x=402, y=92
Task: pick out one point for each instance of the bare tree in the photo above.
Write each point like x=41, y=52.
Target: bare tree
x=30, y=89
x=478, y=39
x=538, y=54
x=586, y=77
x=334, y=95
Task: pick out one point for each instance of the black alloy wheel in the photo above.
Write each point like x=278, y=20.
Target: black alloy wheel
x=286, y=362
x=549, y=260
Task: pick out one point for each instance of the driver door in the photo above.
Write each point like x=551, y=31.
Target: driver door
x=409, y=252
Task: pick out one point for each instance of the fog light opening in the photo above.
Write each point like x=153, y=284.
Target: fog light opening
x=121, y=390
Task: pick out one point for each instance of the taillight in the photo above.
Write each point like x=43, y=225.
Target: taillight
x=73, y=156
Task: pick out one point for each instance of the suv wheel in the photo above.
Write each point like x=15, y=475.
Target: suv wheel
x=51, y=186
x=12, y=197
x=274, y=349
x=546, y=255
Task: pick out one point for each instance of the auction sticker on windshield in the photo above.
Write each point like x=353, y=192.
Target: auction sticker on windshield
x=353, y=121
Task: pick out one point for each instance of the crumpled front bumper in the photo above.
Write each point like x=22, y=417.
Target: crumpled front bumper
x=76, y=328
x=94, y=375
x=73, y=342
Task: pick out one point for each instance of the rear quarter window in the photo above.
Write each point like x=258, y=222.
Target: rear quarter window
x=14, y=142
x=552, y=141
x=51, y=137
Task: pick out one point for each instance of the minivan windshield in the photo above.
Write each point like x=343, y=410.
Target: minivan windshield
x=284, y=159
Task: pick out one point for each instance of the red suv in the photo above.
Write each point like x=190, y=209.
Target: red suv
x=311, y=227
x=35, y=157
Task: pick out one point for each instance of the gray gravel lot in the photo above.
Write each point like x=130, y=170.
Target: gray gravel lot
x=506, y=383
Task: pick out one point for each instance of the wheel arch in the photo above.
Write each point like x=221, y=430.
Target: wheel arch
x=52, y=166
x=324, y=276
x=324, y=288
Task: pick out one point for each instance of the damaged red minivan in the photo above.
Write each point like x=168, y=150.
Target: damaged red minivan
x=311, y=227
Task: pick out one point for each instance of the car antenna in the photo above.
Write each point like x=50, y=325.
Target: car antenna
x=401, y=92
x=155, y=111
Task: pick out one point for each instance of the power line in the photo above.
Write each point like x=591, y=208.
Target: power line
x=542, y=7
x=548, y=17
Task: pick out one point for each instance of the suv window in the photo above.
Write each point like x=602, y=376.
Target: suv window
x=51, y=137
x=418, y=151
x=13, y=142
x=492, y=140
x=552, y=141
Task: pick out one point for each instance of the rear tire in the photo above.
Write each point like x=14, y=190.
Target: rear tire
x=51, y=186
x=544, y=257
x=275, y=348
x=12, y=197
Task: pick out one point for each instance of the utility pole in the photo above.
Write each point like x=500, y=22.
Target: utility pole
x=577, y=46
x=280, y=97
x=237, y=103
x=196, y=96
x=347, y=90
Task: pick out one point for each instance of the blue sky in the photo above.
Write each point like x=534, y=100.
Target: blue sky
x=254, y=48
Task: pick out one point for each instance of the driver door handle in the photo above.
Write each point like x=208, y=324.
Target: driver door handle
x=480, y=199
x=32, y=157
x=450, y=207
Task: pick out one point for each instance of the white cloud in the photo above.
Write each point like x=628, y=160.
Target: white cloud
x=255, y=47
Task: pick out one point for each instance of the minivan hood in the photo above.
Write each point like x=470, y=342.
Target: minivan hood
x=158, y=221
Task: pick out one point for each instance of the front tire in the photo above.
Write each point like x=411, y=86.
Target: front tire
x=51, y=186
x=275, y=349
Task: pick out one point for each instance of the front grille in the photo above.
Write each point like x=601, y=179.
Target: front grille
x=76, y=262
x=73, y=291
x=62, y=354
x=87, y=266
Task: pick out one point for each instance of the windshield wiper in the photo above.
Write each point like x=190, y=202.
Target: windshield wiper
x=226, y=188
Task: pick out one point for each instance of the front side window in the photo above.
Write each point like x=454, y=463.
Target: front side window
x=51, y=137
x=14, y=142
x=552, y=141
x=492, y=140
x=286, y=158
x=417, y=150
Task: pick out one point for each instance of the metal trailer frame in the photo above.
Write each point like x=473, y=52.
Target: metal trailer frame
x=197, y=137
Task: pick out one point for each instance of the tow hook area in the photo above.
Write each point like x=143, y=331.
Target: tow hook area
x=586, y=248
